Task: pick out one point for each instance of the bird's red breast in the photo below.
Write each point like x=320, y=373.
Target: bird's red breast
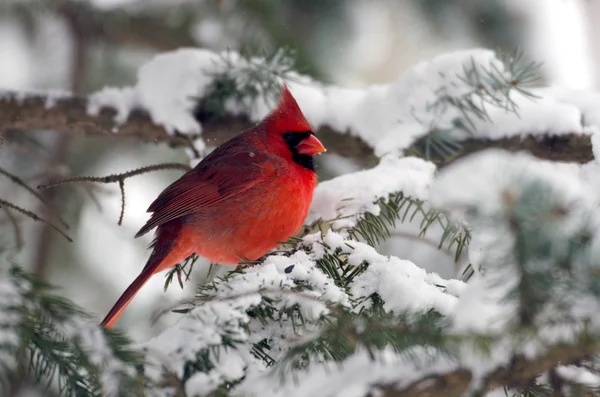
x=251, y=193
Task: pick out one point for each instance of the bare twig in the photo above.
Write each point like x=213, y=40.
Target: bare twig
x=18, y=181
x=34, y=216
x=117, y=178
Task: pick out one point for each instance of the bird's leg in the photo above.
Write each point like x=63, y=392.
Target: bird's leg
x=178, y=270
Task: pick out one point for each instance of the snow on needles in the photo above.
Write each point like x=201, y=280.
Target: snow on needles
x=389, y=118
x=349, y=196
x=525, y=190
x=91, y=338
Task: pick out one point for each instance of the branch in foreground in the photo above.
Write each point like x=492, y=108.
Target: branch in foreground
x=69, y=115
x=518, y=375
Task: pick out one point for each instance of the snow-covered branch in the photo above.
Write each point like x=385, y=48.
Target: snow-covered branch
x=455, y=104
x=69, y=114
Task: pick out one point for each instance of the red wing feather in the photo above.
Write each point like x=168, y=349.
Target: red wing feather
x=220, y=176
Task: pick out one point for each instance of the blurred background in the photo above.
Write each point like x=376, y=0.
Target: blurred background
x=84, y=45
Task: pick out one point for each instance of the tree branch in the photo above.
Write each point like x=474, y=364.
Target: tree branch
x=517, y=375
x=69, y=115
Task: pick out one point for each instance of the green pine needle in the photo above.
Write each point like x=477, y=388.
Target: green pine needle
x=398, y=207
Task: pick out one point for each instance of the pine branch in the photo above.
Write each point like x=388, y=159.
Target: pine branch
x=57, y=345
x=485, y=87
x=245, y=78
x=398, y=207
x=69, y=115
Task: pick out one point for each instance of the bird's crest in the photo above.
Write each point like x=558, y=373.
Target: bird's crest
x=287, y=116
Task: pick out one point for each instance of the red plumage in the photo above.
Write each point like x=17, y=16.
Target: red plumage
x=250, y=193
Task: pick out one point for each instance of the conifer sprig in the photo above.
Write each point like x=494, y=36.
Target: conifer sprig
x=246, y=77
x=488, y=87
x=401, y=208
x=54, y=348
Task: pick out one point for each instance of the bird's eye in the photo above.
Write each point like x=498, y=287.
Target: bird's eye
x=288, y=137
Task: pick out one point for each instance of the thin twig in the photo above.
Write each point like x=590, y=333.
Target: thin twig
x=117, y=178
x=34, y=216
x=18, y=181
x=122, y=188
x=113, y=178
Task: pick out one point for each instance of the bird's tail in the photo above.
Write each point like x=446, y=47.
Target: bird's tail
x=116, y=311
x=162, y=258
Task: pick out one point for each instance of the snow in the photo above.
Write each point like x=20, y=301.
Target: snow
x=340, y=198
x=90, y=337
x=353, y=377
x=123, y=100
x=578, y=375
x=401, y=284
x=169, y=84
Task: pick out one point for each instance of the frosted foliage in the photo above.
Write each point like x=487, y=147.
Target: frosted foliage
x=483, y=199
x=389, y=118
x=400, y=283
x=224, y=312
x=489, y=206
x=354, y=377
x=527, y=190
x=92, y=340
x=349, y=196
x=224, y=309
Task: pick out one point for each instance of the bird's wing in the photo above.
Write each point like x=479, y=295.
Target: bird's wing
x=226, y=172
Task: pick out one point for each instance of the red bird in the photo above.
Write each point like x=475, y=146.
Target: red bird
x=250, y=193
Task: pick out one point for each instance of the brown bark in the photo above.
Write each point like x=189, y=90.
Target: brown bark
x=69, y=115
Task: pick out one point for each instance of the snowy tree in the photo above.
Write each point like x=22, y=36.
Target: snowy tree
x=327, y=314
x=467, y=144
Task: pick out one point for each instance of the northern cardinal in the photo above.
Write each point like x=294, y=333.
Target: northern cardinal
x=239, y=202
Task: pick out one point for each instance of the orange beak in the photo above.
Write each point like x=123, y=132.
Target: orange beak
x=310, y=146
